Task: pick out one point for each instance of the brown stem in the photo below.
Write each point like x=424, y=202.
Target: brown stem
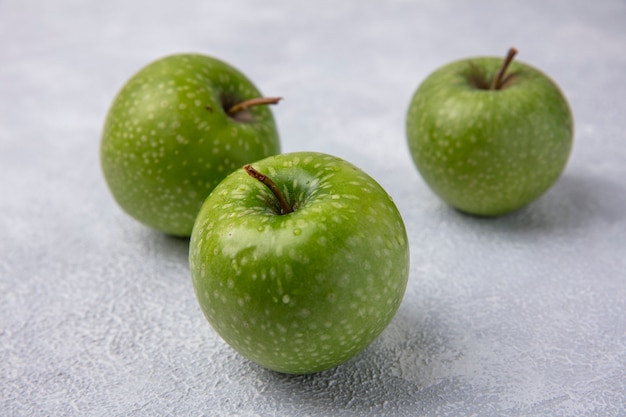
x=253, y=102
x=285, y=208
x=498, y=80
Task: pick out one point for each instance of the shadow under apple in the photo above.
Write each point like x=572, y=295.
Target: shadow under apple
x=575, y=203
x=169, y=249
x=392, y=376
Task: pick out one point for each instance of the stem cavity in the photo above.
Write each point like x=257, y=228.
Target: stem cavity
x=285, y=207
x=500, y=79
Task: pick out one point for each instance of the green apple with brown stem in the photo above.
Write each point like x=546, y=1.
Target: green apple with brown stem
x=489, y=135
x=175, y=130
x=299, y=261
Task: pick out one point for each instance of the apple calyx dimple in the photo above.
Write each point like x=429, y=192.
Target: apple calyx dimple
x=285, y=207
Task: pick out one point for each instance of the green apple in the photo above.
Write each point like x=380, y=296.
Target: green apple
x=299, y=262
x=489, y=136
x=175, y=130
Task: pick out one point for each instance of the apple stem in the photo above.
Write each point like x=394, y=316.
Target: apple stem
x=285, y=208
x=253, y=102
x=499, y=80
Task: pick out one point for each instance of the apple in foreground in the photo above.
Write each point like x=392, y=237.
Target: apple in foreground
x=175, y=130
x=489, y=135
x=299, y=261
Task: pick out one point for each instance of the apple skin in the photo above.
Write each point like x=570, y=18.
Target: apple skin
x=489, y=152
x=301, y=292
x=168, y=140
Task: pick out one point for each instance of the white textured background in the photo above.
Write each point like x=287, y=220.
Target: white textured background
x=523, y=315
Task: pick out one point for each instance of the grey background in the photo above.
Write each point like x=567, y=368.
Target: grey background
x=522, y=315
